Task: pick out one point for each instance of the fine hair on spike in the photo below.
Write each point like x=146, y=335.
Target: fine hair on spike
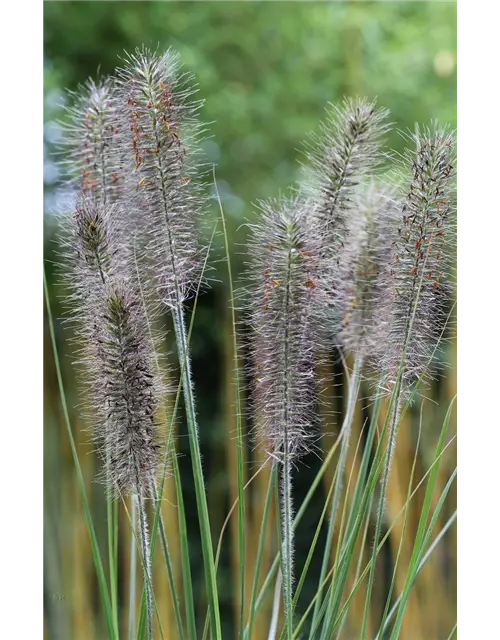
x=89, y=141
x=415, y=300
x=115, y=349
x=287, y=309
x=362, y=267
x=346, y=150
x=127, y=391
x=158, y=139
x=286, y=313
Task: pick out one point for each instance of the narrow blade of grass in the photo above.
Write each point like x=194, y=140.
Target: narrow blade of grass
x=103, y=587
x=239, y=435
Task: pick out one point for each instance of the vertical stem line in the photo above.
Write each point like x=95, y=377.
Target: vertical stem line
x=239, y=435
x=345, y=433
x=184, y=363
x=286, y=489
x=133, y=571
x=201, y=498
x=276, y=608
x=146, y=562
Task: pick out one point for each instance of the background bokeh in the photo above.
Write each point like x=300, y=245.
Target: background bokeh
x=266, y=71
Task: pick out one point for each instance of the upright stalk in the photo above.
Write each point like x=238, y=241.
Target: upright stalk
x=345, y=435
x=273, y=627
x=286, y=475
x=133, y=571
x=206, y=537
x=146, y=562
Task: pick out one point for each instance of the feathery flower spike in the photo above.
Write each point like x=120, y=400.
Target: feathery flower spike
x=362, y=266
x=159, y=129
x=89, y=141
x=417, y=278
x=346, y=150
x=286, y=308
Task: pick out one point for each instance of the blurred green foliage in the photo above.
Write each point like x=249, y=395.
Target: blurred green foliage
x=265, y=71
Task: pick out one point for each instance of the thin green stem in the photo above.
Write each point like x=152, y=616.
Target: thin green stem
x=103, y=588
x=345, y=433
x=239, y=434
x=260, y=549
x=201, y=498
x=133, y=571
x=273, y=627
x=146, y=563
x=381, y=504
x=111, y=508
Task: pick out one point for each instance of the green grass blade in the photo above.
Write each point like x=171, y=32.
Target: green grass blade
x=112, y=524
x=298, y=517
x=357, y=584
x=133, y=573
x=103, y=588
x=345, y=433
x=427, y=555
x=420, y=535
x=260, y=549
x=405, y=521
x=239, y=435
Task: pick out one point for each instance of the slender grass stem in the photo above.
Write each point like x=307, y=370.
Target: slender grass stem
x=201, y=498
x=344, y=435
x=146, y=562
x=239, y=434
x=427, y=555
x=381, y=502
x=112, y=515
x=273, y=627
x=133, y=571
x=260, y=549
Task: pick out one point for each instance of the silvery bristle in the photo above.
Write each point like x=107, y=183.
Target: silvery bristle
x=361, y=268
x=89, y=141
x=287, y=308
x=116, y=348
x=126, y=391
x=159, y=133
x=414, y=307
x=346, y=150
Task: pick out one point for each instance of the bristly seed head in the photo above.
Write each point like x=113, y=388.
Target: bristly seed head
x=286, y=312
x=116, y=351
x=89, y=141
x=159, y=136
x=362, y=267
x=414, y=307
x=126, y=393
x=346, y=150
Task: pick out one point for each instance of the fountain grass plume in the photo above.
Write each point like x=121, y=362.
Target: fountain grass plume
x=418, y=288
x=287, y=309
x=158, y=140
x=164, y=192
x=89, y=141
x=115, y=348
x=346, y=150
x=361, y=268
